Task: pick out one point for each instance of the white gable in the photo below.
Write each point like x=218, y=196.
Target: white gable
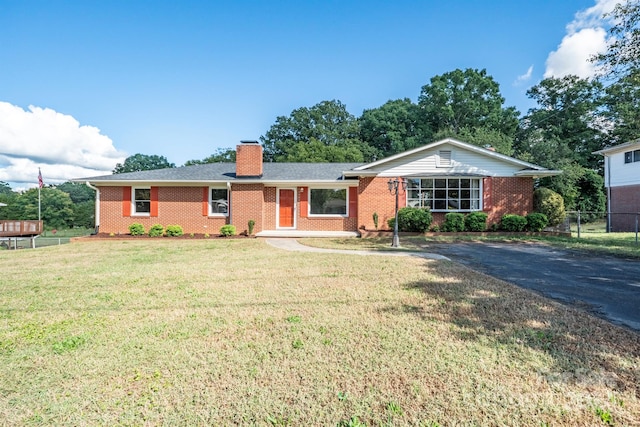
x=448, y=157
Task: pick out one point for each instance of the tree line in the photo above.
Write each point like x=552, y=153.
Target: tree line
x=572, y=118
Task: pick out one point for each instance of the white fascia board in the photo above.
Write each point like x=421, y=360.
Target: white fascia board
x=175, y=183
x=619, y=148
x=538, y=173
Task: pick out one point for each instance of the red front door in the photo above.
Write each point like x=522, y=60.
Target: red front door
x=286, y=208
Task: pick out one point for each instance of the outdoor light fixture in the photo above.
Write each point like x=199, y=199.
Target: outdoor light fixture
x=394, y=188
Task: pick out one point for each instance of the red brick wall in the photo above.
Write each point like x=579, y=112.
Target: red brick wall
x=247, y=202
x=176, y=206
x=625, y=203
x=249, y=159
x=374, y=196
x=510, y=196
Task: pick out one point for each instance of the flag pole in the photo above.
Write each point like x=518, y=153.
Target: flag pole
x=40, y=183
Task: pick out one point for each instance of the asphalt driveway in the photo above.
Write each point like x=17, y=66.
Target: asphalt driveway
x=607, y=286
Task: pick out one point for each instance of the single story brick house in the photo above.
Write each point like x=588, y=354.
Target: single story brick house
x=622, y=180
x=290, y=199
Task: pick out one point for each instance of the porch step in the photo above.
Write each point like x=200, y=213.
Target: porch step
x=302, y=233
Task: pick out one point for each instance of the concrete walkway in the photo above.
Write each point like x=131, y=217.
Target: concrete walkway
x=294, y=246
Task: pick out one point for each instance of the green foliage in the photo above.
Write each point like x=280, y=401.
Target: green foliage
x=84, y=214
x=513, y=223
x=156, y=230
x=174, y=231
x=412, y=220
x=592, y=199
x=68, y=344
x=465, y=99
x=251, y=225
x=354, y=421
x=78, y=192
x=326, y=132
x=136, y=229
x=550, y=203
x=297, y=343
x=453, y=221
x=375, y=220
x=536, y=221
x=604, y=415
x=142, y=162
x=56, y=207
x=221, y=155
x=228, y=230
x=391, y=128
x=475, y=221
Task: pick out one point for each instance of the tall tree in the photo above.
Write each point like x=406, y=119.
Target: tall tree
x=566, y=126
x=391, y=128
x=622, y=108
x=327, y=130
x=56, y=207
x=468, y=99
x=77, y=192
x=623, y=53
x=221, y=155
x=142, y=162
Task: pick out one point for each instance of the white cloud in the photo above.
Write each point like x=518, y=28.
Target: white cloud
x=586, y=36
x=525, y=77
x=55, y=142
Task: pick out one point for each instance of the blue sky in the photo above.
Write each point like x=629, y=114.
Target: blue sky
x=83, y=84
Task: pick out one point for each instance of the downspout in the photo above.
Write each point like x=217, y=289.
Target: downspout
x=608, y=184
x=229, y=201
x=97, y=224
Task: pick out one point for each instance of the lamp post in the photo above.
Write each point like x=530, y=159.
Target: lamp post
x=394, y=188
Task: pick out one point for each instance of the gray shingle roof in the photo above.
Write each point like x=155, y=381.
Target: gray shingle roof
x=213, y=172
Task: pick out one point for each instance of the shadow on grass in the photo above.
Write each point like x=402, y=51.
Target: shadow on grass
x=584, y=349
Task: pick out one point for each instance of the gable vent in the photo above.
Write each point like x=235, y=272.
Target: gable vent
x=444, y=158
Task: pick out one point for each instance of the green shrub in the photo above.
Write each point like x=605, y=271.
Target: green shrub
x=476, y=221
x=536, y=221
x=412, y=219
x=550, y=203
x=514, y=223
x=136, y=229
x=375, y=220
x=453, y=221
x=174, y=231
x=251, y=225
x=228, y=230
x=156, y=230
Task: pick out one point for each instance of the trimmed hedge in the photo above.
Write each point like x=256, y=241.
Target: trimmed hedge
x=453, y=221
x=136, y=229
x=476, y=221
x=550, y=203
x=156, y=230
x=536, y=221
x=514, y=223
x=228, y=230
x=412, y=219
x=174, y=231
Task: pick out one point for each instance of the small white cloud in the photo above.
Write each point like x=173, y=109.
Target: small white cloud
x=525, y=77
x=574, y=53
x=55, y=142
x=586, y=37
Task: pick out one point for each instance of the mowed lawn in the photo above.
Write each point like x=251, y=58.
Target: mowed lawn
x=220, y=332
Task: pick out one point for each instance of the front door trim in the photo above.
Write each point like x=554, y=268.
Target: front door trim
x=295, y=208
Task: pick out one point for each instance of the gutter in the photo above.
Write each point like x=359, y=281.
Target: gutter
x=97, y=224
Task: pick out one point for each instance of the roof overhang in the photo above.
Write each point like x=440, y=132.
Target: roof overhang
x=633, y=145
x=539, y=173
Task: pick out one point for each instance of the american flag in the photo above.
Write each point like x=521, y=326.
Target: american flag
x=40, y=181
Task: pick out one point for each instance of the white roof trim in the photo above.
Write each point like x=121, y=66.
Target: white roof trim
x=619, y=148
x=538, y=173
x=453, y=142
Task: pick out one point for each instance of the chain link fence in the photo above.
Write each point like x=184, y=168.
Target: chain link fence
x=585, y=223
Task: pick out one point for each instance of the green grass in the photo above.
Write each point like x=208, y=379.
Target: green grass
x=222, y=332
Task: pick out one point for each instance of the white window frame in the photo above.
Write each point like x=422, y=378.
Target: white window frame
x=134, y=210
x=422, y=199
x=333, y=215
x=211, y=201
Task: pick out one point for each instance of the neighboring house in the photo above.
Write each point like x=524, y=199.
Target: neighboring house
x=622, y=180
x=291, y=199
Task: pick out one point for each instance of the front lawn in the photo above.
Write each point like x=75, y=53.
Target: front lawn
x=220, y=332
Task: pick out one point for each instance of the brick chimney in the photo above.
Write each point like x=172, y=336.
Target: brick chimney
x=248, y=159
